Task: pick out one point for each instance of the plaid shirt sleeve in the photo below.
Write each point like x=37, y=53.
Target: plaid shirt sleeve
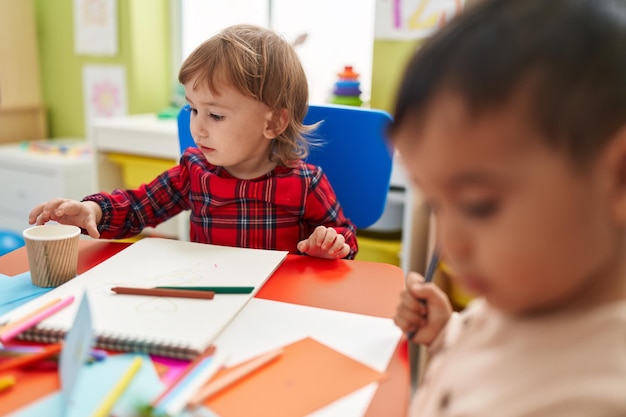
x=125, y=213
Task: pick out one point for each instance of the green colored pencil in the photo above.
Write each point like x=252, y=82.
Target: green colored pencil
x=216, y=290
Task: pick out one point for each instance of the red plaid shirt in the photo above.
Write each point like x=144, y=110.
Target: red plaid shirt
x=274, y=211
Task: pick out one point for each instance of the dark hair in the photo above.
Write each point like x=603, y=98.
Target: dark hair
x=570, y=53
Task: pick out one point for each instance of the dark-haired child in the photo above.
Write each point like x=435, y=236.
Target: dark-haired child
x=512, y=122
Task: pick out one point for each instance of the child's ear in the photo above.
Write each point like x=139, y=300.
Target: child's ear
x=616, y=159
x=277, y=122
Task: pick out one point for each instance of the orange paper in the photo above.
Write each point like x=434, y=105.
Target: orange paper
x=294, y=385
x=30, y=386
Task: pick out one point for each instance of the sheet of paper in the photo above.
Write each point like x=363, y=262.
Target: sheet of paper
x=95, y=27
x=264, y=325
x=31, y=384
x=172, y=368
x=293, y=385
x=17, y=290
x=76, y=347
x=161, y=324
x=95, y=382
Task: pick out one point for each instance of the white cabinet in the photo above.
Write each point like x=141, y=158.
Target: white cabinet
x=141, y=134
x=31, y=173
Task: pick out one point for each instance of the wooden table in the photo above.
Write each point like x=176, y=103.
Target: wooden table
x=354, y=286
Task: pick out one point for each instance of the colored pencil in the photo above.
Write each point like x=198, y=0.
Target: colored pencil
x=12, y=351
x=430, y=274
x=432, y=267
x=173, y=403
x=35, y=319
x=12, y=324
x=242, y=371
x=216, y=290
x=6, y=382
x=95, y=355
x=107, y=404
x=164, y=292
x=208, y=352
x=98, y=355
x=20, y=361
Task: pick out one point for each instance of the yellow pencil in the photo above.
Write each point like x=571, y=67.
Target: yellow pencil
x=6, y=382
x=105, y=407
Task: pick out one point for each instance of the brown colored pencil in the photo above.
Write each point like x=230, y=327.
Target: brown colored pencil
x=164, y=292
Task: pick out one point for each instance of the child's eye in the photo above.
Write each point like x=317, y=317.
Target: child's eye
x=216, y=117
x=480, y=210
x=192, y=110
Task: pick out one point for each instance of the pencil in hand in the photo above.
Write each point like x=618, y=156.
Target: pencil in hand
x=430, y=274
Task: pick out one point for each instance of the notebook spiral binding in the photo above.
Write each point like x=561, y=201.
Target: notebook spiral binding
x=115, y=343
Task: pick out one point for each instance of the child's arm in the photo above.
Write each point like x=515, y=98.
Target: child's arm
x=424, y=309
x=122, y=213
x=325, y=242
x=85, y=215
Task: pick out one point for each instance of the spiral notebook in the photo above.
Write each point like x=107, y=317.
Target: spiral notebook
x=173, y=327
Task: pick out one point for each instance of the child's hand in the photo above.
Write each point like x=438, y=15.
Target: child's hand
x=424, y=309
x=85, y=214
x=325, y=242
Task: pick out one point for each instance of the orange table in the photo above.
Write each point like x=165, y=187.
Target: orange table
x=353, y=286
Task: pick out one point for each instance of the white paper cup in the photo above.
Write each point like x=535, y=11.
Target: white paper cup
x=52, y=253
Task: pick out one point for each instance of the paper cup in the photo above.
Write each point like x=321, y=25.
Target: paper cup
x=52, y=253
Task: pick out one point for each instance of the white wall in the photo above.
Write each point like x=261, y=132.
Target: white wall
x=339, y=33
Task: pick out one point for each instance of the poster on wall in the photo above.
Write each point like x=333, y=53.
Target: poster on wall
x=104, y=92
x=95, y=27
x=412, y=19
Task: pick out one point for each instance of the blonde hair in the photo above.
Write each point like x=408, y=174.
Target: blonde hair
x=262, y=65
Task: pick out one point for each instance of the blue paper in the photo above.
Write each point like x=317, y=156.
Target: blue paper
x=17, y=290
x=94, y=383
x=77, y=344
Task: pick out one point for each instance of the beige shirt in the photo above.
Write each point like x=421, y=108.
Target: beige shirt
x=486, y=363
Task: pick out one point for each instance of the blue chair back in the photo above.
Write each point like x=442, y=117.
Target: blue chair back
x=185, y=140
x=353, y=152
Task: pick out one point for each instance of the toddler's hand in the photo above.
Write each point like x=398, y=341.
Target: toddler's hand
x=325, y=242
x=85, y=215
x=424, y=309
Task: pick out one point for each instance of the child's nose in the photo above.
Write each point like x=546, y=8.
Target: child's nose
x=453, y=240
x=198, y=128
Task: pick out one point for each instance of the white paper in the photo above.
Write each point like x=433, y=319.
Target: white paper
x=164, y=321
x=95, y=27
x=76, y=346
x=264, y=325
